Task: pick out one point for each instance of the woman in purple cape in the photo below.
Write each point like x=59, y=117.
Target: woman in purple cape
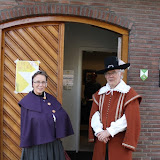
x=43, y=123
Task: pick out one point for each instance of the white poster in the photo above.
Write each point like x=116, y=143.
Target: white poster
x=68, y=79
x=24, y=73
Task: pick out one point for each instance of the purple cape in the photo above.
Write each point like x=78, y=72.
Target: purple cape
x=37, y=123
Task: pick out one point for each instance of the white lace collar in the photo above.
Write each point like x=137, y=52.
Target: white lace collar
x=122, y=87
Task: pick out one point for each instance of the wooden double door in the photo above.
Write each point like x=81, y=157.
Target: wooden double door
x=37, y=41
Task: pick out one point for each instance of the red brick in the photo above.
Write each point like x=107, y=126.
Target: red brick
x=3, y=7
x=31, y=10
x=11, y=3
x=70, y=9
x=74, y=10
x=7, y=15
x=36, y=9
x=55, y=1
x=15, y=14
x=44, y=9
x=99, y=14
x=96, y=4
x=82, y=11
x=78, y=10
x=27, y=11
x=87, y=12
x=3, y=15
x=40, y=9
x=26, y=3
x=95, y=12
x=65, y=9
x=107, y=16
x=103, y=15
x=58, y=9
x=78, y=3
x=64, y=2
x=53, y=8
x=111, y=17
x=11, y=13
x=90, y=13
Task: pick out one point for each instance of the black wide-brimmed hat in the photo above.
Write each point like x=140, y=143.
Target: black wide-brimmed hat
x=111, y=63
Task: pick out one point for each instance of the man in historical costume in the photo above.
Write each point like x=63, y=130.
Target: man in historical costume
x=114, y=119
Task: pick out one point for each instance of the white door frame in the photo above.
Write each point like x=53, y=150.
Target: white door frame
x=79, y=84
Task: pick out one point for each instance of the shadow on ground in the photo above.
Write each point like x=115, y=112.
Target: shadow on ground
x=81, y=155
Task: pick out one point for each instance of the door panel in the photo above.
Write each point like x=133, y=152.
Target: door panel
x=43, y=42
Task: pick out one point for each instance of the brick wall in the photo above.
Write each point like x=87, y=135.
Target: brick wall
x=142, y=17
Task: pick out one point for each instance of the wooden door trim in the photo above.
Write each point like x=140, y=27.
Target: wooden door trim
x=60, y=68
x=59, y=18
x=1, y=91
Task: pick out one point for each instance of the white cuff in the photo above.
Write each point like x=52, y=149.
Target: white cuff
x=111, y=131
x=96, y=123
x=97, y=130
x=117, y=126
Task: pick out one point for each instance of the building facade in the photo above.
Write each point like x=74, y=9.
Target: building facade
x=137, y=20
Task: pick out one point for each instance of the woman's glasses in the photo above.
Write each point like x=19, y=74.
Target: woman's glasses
x=38, y=82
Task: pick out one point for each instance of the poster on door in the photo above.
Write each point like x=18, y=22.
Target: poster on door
x=24, y=73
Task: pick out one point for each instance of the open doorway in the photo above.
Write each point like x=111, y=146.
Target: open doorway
x=91, y=82
x=92, y=44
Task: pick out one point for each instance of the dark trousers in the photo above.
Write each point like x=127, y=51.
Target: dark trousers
x=106, y=152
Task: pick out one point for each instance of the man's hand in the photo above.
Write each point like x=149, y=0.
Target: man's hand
x=103, y=136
